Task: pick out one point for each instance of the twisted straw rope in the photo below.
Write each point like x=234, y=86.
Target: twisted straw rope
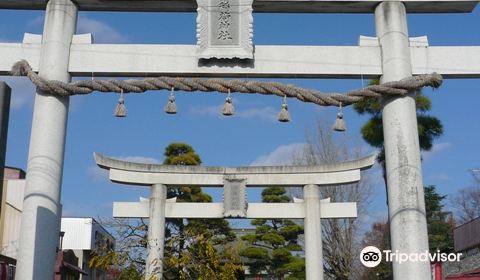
x=398, y=88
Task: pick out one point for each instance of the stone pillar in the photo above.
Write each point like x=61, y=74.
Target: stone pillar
x=313, y=233
x=41, y=206
x=156, y=232
x=408, y=225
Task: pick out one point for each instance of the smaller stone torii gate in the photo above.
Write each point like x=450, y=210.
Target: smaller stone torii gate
x=234, y=181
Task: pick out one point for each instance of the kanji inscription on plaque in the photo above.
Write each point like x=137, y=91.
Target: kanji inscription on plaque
x=234, y=198
x=224, y=29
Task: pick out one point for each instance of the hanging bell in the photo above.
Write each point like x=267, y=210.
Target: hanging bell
x=339, y=124
x=171, y=107
x=228, y=109
x=121, y=109
x=284, y=115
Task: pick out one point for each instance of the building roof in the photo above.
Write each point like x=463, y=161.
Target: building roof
x=467, y=236
x=12, y=173
x=469, y=275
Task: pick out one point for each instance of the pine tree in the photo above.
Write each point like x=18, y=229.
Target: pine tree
x=184, y=154
x=182, y=234
x=272, y=247
x=429, y=127
x=440, y=228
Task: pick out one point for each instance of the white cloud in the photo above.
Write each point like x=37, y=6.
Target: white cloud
x=99, y=174
x=265, y=113
x=7, y=30
x=211, y=111
x=441, y=177
x=36, y=22
x=23, y=91
x=6, y=40
x=436, y=149
x=282, y=155
x=375, y=174
x=368, y=218
x=139, y=159
x=102, y=32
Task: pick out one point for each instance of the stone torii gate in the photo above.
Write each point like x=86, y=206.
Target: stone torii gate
x=234, y=181
x=59, y=54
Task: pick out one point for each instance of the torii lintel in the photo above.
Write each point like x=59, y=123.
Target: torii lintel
x=261, y=6
x=149, y=174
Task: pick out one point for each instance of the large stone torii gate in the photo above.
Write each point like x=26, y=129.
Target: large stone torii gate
x=59, y=54
x=234, y=182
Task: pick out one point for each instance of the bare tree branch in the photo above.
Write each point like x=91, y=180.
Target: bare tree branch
x=341, y=237
x=467, y=201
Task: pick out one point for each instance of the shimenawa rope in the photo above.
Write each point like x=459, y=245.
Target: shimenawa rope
x=398, y=88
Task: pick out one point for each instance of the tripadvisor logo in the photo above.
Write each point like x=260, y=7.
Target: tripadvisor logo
x=371, y=256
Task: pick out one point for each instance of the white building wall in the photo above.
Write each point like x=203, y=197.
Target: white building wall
x=78, y=233
x=81, y=234
x=13, y=191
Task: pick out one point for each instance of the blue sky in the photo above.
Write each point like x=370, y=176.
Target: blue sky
x=252, y=135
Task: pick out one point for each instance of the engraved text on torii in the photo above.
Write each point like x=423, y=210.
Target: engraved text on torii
x=224, y=20
x=225, y=29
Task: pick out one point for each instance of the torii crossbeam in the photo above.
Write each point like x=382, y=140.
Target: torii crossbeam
x=234, y=181
x=337, y=62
